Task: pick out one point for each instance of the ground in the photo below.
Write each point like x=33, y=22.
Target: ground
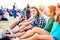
x=7, y=24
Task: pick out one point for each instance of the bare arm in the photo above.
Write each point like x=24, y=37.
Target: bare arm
x=26, y=21
x=15, y=23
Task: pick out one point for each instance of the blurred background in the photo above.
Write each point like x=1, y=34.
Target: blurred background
x=22, y=3
x=17, y=7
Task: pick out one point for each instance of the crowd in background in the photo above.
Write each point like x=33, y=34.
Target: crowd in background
x=5, y=13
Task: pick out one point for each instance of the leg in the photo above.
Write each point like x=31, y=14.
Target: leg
x=35, y=30
x=40, y=37
x=45, y=37
x=14, y=24
x=40, y=31
x=27, y=28
x=27, y=34
x=19, y=29
x=33, y=37
x=14, y=35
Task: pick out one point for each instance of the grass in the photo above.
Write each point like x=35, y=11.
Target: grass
x=7, y=24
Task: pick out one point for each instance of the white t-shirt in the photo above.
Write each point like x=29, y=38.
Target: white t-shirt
x=6, y=15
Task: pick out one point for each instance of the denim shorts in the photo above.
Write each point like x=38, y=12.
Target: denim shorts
x=55, y=38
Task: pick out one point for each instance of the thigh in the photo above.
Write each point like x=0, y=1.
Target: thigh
x=40, y=31
x=15, y=35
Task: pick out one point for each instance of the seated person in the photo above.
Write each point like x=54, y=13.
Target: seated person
x=5, y=15
x=28, y=11
x=22, y=17
x=33, y=21
x=53, y=35
x=51, y=13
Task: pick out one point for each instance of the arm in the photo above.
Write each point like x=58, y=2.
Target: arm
x=15, y=23
x=55, y=27
x=26, y=21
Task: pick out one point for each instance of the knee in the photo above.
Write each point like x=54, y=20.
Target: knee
x=51, y=38
x=36, y=34
x=35, y=28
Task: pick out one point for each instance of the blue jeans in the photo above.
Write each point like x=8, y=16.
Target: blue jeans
x=15, y=13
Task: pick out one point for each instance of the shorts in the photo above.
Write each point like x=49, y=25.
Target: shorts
x=55, y=38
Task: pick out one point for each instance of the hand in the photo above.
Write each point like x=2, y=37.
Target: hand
x=20, y=24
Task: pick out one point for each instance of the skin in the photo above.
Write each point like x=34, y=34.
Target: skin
x=57, y=11
x=23, y=28
x=41, y=32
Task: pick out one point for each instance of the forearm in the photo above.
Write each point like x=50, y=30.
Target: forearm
x=29, y=19
x=26, y=22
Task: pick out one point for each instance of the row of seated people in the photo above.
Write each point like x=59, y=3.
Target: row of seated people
x=4, y=15
x=29, y=29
